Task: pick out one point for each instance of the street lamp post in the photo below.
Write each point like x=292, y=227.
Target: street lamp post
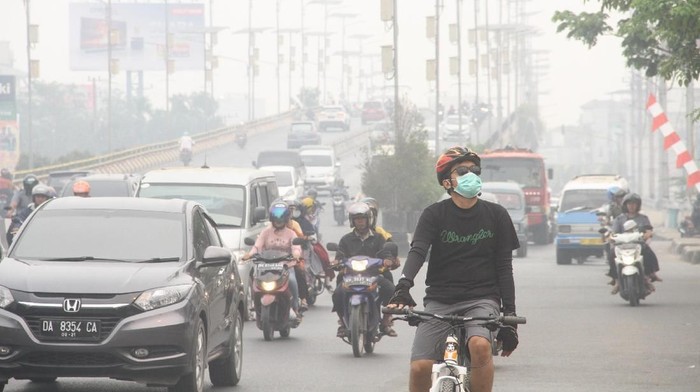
x=290, y=54
x=343, y=16
x=29, y=85
x=325, y=33
x=109, y=76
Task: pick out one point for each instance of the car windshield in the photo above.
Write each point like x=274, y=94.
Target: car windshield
x=583, y=199
x=302, y=127
x=332, y=110
x=284, y=178
x=126, y=235
x=317, y=160
x=102, y=188
x=526, y=172
x=455, y=120
x=225, y=203
x=511, y=201
x=372, y=105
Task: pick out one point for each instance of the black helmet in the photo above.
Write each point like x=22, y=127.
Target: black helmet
x=359, y=210
x=631, y=197
x=29, y=182
x=279, y=212
x=313, y=193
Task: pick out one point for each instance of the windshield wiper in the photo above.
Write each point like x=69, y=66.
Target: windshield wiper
x=581, y=208
x=159, y=260
x=85, y=258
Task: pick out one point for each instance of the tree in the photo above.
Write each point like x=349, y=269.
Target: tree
x=658, y=36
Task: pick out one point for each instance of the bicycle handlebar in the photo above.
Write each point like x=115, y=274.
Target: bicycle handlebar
x=508, y=320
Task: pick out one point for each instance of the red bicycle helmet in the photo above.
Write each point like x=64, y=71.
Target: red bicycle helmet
x=452, y=156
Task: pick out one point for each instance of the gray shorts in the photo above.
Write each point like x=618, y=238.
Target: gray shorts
x=429, y=342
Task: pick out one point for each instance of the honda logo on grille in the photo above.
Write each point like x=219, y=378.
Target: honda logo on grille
x=71, y=305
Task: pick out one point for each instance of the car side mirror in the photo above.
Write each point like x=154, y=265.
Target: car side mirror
x=216, y=256
x=250, y=241
x=258, y=214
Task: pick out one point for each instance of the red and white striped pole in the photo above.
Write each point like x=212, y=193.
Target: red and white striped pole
x=673, y=141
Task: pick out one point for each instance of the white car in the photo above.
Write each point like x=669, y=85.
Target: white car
x=450, y=130
x=289, y=184
x=322, y=167
x=333, y=117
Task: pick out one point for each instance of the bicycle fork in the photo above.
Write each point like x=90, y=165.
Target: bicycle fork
x=448, y=375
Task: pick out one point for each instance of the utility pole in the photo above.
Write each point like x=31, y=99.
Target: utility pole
x=437, y=76
x=397, y=103
x=109, y=75
x=476, y=52
x=663, y=176
x=29, y=86
x=303, y=48
x=459, y=64
x=167, y=67
x=278, y=41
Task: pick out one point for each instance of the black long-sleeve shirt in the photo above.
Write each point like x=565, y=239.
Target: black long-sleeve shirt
x=471, y=253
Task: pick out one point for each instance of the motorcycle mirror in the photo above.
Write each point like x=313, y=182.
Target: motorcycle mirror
x=297, y=241
x=332, y=246
x=250, y=241
x=391, y=247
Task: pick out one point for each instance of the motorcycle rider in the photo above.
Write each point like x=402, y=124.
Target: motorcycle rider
x=22, y=198
x=81, y=188
x=631, y=205
x=279, y=236
x=374, y=207
x=470, y=270
x=40, y=194
x=615, y=196
x=362, y=241
x=186, y=142
x=293, y=224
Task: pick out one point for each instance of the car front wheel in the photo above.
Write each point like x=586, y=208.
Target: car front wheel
x=226, y=371
x=194, y=381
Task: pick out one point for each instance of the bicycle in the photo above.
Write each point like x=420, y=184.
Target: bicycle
x=452, y=373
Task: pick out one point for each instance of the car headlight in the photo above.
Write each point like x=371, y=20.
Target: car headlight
x=162, y=296
x=6, y=297
x=268, y=286
x=359, y=265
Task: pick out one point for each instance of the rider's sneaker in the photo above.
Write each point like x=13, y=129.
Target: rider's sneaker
x=342, y=331
x=655, y=278
x=388, y=331
x=615, y=289
x=303, y=306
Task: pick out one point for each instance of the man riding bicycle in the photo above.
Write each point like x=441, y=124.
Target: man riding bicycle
x=470, y=270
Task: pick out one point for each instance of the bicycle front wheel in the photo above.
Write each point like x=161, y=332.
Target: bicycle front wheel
x=446, y=385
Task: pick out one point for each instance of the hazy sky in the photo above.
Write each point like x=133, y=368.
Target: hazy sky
x=571, y=74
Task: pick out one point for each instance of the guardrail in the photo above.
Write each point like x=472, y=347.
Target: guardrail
x=131, y=160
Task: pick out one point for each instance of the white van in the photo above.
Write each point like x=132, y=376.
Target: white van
x=322, y=167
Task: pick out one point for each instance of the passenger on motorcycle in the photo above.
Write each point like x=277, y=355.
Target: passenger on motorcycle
x=470, y=272
x=615, y=196
x=81, y=188
x=22, y=198
x=362, y=241
x=299, y=267
x=631, y=205
x=312, y=212
x=6, y=179
x=40, y=194
x=374, y=208
x=279, y=237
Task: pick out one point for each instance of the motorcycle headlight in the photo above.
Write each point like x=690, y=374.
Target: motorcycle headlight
x=359, y=265
x=6, y=297
x=162, y=296
x=627, y=259
x=268, y=286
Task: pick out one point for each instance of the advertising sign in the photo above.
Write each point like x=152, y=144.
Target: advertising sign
x=9, y=133
x=138, y=36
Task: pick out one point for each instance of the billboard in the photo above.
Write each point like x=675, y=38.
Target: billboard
x=9, y=133
x=138, y=36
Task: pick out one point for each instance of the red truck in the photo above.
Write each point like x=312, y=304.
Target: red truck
x=526, y=168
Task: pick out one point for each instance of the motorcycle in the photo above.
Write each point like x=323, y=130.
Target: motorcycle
x=362, y=307
x=339, y=198
x=629, y=263
x=186, y=157
x=315, y=275
x=272, y=296
x=241, y=139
